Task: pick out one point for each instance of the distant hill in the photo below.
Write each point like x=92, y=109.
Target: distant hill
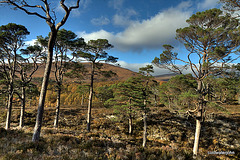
x=121, y=73
x=165, y=77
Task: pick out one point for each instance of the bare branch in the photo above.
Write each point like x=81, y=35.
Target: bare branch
x=191, y=65
x=67, y=13
x=36, y=6
x=24, y=9
x=34, y=70
x=49, y=18
x=75, y=7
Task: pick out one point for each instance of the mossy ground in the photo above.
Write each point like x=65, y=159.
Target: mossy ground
x=170, y=136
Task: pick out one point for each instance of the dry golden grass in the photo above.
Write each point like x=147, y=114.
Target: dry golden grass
x=169, y=136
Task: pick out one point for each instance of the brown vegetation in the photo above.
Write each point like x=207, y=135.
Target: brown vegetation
x=170, y=135
x=122, y=73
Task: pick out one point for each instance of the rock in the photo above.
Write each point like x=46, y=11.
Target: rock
x=173, y=145
x=111, y=117
x=110, y=150
x=236, y=143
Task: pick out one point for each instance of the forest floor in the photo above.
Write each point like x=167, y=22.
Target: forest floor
x=170, y=135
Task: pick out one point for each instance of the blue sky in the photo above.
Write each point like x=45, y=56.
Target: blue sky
x=136, y=28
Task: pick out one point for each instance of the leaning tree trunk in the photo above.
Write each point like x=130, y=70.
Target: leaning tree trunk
x=9, y=106
x=38, y=125
x=23, y=98
x=57, y=108
x=90, y=100
x=198, y=121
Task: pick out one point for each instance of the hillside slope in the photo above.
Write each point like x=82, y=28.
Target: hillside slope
x=121, y=74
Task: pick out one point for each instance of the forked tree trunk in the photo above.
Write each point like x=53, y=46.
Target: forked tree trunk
x=38, y=125
x=57, y=108
x=22, y=114
x=9, y=107
x=51, y=42
x=90, y=100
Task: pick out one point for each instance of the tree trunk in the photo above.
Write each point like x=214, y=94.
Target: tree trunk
x=130, y=131
x=197, y=138
x=21, y=123
x=155, y=100
x=10, y=89
x=82, y=100
x=169, y=102
x=38, y=125
x=57, y=108
x=9, y=106
x=90, y=100
x=144, y=126
x=144, y=129
x=238, y=98
x=198, y=121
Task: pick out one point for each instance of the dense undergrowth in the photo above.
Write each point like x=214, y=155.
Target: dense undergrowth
x=170, y=136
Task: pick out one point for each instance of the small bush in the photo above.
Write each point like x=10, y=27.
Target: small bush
x=32, y=147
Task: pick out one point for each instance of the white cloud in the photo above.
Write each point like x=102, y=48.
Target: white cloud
x=131, y=12
x=124, y=18
x=123, y=15
x=100, y=21
x=116, y=4
x=208, y=4
x=157, y=71
x=147, y=34
x=102, y=34
x=135, y=67
x=120, y=20
x=31, y=42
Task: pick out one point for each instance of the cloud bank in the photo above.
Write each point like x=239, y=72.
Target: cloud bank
x=157, y=71
x=146, y=34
